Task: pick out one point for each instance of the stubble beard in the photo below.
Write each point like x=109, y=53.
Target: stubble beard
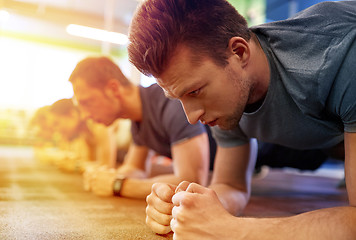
x=232, y=120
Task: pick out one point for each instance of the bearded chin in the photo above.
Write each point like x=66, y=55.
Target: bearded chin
x=231, y=123
x=232, y=120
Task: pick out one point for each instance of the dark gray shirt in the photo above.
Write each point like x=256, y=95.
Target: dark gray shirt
x=311, y=99
x=164, y=122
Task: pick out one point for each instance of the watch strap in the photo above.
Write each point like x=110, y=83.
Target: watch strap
x=117, y=185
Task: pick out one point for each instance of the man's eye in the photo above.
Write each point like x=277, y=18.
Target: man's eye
x=194, y=93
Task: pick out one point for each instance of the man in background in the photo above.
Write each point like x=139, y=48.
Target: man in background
x=104, y=94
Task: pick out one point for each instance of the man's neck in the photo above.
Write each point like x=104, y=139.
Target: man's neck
x=132, y=103
x=260, y=75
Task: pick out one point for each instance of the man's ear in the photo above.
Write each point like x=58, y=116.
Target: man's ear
x=240, y=48
x=113, y=88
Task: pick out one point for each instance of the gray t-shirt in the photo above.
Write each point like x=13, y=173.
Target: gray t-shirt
x=311, y=99
x=164, y=122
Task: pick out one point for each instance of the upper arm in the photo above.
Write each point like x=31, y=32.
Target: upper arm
x=191, y=159
x=234, y=166
x=350, y=166
x=136, y=156
x=105, y=151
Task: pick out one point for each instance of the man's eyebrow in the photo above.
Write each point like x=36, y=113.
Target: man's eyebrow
x=181, y=93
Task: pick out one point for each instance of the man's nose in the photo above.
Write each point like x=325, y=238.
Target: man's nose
x=193, y=112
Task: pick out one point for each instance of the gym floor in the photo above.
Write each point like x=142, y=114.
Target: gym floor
x=39, y=201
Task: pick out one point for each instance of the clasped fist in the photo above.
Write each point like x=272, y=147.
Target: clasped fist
x=190, y=210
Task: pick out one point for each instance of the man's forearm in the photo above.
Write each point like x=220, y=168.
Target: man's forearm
x=140, y=188
x=234, y=201
x=332, y=223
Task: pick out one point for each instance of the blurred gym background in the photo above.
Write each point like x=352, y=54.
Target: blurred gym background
x=42, y=40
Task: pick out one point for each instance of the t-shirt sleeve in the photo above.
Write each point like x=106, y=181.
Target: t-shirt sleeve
x=229, y=138
x=176, y=124
x=135, y=136
x=343, y=95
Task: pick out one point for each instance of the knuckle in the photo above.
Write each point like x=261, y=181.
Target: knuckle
x=148, y=220
x=165, y=219
x=159, y=217
x=166, y=208
x=163, y=230
x=177, y=229
x=156, y=227
x=163, y=191
x=155, y=186
x=149, y=199
x=147, y=210
x=188, y=201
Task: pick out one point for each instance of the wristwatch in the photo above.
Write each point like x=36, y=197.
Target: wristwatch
x=118, y=182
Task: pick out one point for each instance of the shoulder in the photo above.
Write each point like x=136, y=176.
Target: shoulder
x=325, y=18
x=329, y=7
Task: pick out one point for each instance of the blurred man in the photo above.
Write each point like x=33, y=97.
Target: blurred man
x=104, y=94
